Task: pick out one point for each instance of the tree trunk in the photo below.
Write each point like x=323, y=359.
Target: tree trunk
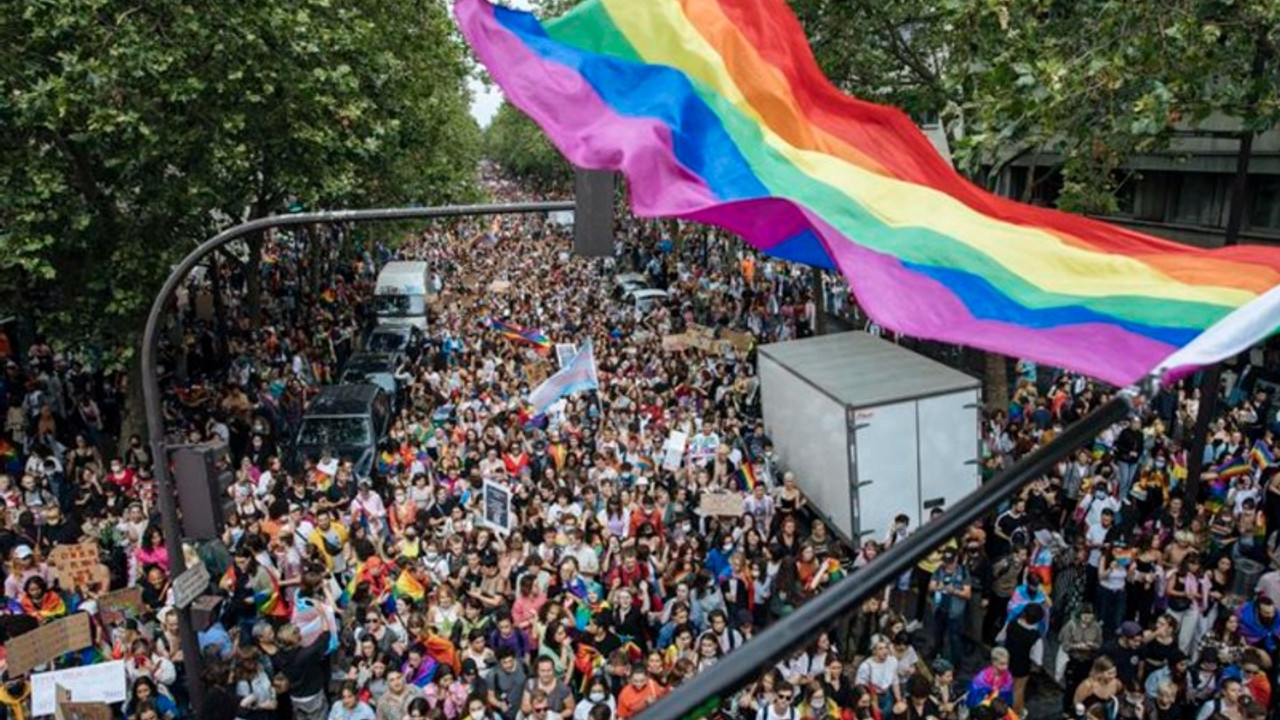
x=995, y=381
x=133, y=417
x=219, y=306
x=253, y=280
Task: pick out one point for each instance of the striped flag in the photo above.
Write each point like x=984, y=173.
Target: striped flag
x=577, y=376
x=1262, y=457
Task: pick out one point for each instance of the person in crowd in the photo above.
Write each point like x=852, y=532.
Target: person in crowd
x=375, y=583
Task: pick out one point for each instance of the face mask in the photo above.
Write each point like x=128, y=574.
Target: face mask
x=687, y=527
x=817, y=704
x=727, y=547
x=1100, y=495
x=597, y=697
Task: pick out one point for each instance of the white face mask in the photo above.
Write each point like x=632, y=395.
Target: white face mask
x=597, y=697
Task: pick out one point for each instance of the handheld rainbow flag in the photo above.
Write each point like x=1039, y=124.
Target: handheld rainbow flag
x=10, y=460
x=1262, y=457
x=1232, y=466
x=515, y=333
x=717, y=112
x=746, y=476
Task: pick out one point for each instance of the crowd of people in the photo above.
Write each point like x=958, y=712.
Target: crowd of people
x=389, y=596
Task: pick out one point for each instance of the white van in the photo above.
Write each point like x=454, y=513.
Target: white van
x=401, y=295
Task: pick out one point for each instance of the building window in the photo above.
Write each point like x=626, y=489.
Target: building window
x=1264, y=201
x=1202, y=199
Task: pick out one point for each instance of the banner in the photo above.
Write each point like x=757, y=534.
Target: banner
x=100, y=683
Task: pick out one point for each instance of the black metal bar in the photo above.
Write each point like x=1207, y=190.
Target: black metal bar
x=1211, y=380
x=151, y=380
x=701, y=696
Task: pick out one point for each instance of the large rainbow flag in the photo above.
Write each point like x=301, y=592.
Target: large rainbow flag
x=716, y=112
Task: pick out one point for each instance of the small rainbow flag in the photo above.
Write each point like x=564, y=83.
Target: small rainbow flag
x=387, y=461
x=408, y=587
x=10, y=459
x=270, y=602
x=516, y=333
x=747, y=476
x=1261, y=456
x=1232, y=467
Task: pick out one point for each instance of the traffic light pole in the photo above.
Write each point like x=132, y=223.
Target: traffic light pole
x=151, y=395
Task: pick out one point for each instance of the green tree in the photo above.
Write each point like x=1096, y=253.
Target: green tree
x=516, y=143
x=133, y=131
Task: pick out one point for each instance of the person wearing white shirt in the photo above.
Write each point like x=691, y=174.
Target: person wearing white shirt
x=588, y=563
x=1098, y=501
x=880, y=673
x=368, y=504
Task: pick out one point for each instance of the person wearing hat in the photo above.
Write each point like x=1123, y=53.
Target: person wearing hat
x=24, y=566
x=1078, y=641
x=950, y=588
x=1125, y=652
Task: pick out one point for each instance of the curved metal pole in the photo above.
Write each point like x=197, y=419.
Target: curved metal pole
x=151, y=396
x=701, y=696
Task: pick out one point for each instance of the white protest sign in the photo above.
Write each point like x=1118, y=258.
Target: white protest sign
x=101, y=683
x=673, y=452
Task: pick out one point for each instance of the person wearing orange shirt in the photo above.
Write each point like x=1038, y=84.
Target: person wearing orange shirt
x=639, y=694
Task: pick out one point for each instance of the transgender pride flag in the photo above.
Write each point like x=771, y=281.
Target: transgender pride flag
x=578, y=375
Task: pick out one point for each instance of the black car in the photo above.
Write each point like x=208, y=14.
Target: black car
x=346, y=421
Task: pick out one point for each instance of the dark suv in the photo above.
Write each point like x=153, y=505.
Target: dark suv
x=348, y=421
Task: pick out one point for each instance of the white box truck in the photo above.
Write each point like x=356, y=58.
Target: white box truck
x=870, y=429
x=401, y=293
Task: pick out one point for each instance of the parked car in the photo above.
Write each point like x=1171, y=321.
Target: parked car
x=624, y=283
x=377, y=368
x=645, y=299
x=346, y=422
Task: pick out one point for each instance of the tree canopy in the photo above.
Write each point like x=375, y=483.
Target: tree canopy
x=1092, y=81
x=134, y=130
x=516, y=143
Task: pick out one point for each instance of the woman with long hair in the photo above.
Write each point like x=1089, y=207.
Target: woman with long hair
x=1187, y=593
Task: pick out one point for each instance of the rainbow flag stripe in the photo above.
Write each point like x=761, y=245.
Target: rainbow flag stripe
x=518, y=334
x=716, y=112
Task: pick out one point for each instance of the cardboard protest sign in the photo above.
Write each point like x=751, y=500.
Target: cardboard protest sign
x=721, y=504
x=68, y=710
x=79, y=566
x=118, y=606
x=499, y=286
x=676, y=343
x=741, y=341
x=537, y=373
x=46, y=643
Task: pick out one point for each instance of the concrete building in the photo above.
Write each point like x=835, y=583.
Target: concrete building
x=1183, y=192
